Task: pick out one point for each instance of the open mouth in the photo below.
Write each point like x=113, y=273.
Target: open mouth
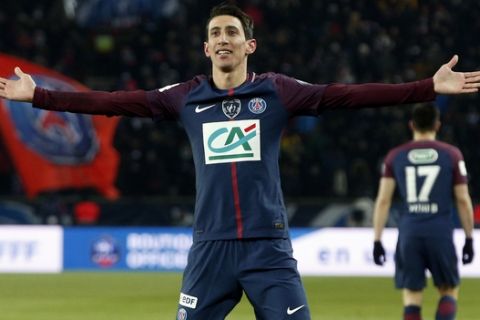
x=223, y=52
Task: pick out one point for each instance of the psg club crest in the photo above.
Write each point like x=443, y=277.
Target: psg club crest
x=257, y=105
x=105, y=252
x=182, y=314
x=231, y=108
x=60, y=137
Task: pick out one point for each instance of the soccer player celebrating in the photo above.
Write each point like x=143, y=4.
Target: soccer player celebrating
x=431, y=176
x=234, y=120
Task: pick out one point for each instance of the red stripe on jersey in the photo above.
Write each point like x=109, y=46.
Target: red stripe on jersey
x=236, y=193
x=250, y=127
x=236, y=201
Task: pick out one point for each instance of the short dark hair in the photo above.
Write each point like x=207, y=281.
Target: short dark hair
x=425, y=116
x=228, y=9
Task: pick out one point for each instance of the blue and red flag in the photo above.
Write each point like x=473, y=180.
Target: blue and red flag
x=52, y=150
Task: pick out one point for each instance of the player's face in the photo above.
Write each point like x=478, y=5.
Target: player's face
x=226, y=45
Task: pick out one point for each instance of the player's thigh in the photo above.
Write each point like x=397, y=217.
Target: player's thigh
x=272, y=283
x=410, y=264
x=209, y=288
x=443, y=262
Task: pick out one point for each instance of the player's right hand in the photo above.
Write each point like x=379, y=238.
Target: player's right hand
x=21, y=89
x=378, y=253
x=467, y=252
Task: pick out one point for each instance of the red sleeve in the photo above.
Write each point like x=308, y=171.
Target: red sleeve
x=377, y=95
x=460, y=175
x=298, y=97
x=126, y=103
x=387, y=168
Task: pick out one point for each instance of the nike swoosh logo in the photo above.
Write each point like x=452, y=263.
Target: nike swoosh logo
x=199, y=109
x=292, y=311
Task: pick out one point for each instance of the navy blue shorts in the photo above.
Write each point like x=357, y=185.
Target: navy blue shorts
x=415, y=255
x=218, y=272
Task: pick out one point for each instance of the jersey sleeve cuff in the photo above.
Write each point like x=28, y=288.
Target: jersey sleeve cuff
x=39, y=97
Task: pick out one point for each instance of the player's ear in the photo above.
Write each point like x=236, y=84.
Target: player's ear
x=411, y=125
x=438, y=124
x=251, y=46
x=206, y=50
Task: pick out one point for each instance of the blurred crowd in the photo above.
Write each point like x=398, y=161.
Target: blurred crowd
x=349, y=41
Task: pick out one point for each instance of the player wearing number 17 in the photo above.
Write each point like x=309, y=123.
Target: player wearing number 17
x=431, y=177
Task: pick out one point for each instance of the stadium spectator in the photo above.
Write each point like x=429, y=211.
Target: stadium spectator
x=86, y=212
x=240, y=221
x=476, y=216
x=6, y=169
x=431, y=177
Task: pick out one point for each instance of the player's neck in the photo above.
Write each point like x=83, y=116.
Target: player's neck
x=229, y=80
x=419, y=136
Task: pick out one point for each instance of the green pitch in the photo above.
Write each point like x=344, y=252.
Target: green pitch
x=154, y=296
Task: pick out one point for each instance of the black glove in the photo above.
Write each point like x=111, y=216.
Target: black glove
x=467, y=252
x=378, y=253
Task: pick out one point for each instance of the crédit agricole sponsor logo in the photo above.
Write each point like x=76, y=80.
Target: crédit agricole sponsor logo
x=231, y=141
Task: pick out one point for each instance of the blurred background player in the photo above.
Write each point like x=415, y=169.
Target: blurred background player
x=431, y=177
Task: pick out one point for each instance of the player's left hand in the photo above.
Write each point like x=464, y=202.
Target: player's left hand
x=467, y=252
x=378, y=253
x=447, y=81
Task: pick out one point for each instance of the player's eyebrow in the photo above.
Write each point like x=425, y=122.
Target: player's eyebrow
x=228, y=27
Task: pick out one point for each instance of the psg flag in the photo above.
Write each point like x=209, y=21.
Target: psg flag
x=54, y=151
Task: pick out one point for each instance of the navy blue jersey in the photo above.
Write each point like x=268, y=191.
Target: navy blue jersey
x=426, y=173
x=235, y=138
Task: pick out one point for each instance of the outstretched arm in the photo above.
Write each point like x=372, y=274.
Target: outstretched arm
x=19, y=90
x=367, y=95
x=127, y=103
x=447, y=81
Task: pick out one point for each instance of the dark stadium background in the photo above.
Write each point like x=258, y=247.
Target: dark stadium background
x=108, y=45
